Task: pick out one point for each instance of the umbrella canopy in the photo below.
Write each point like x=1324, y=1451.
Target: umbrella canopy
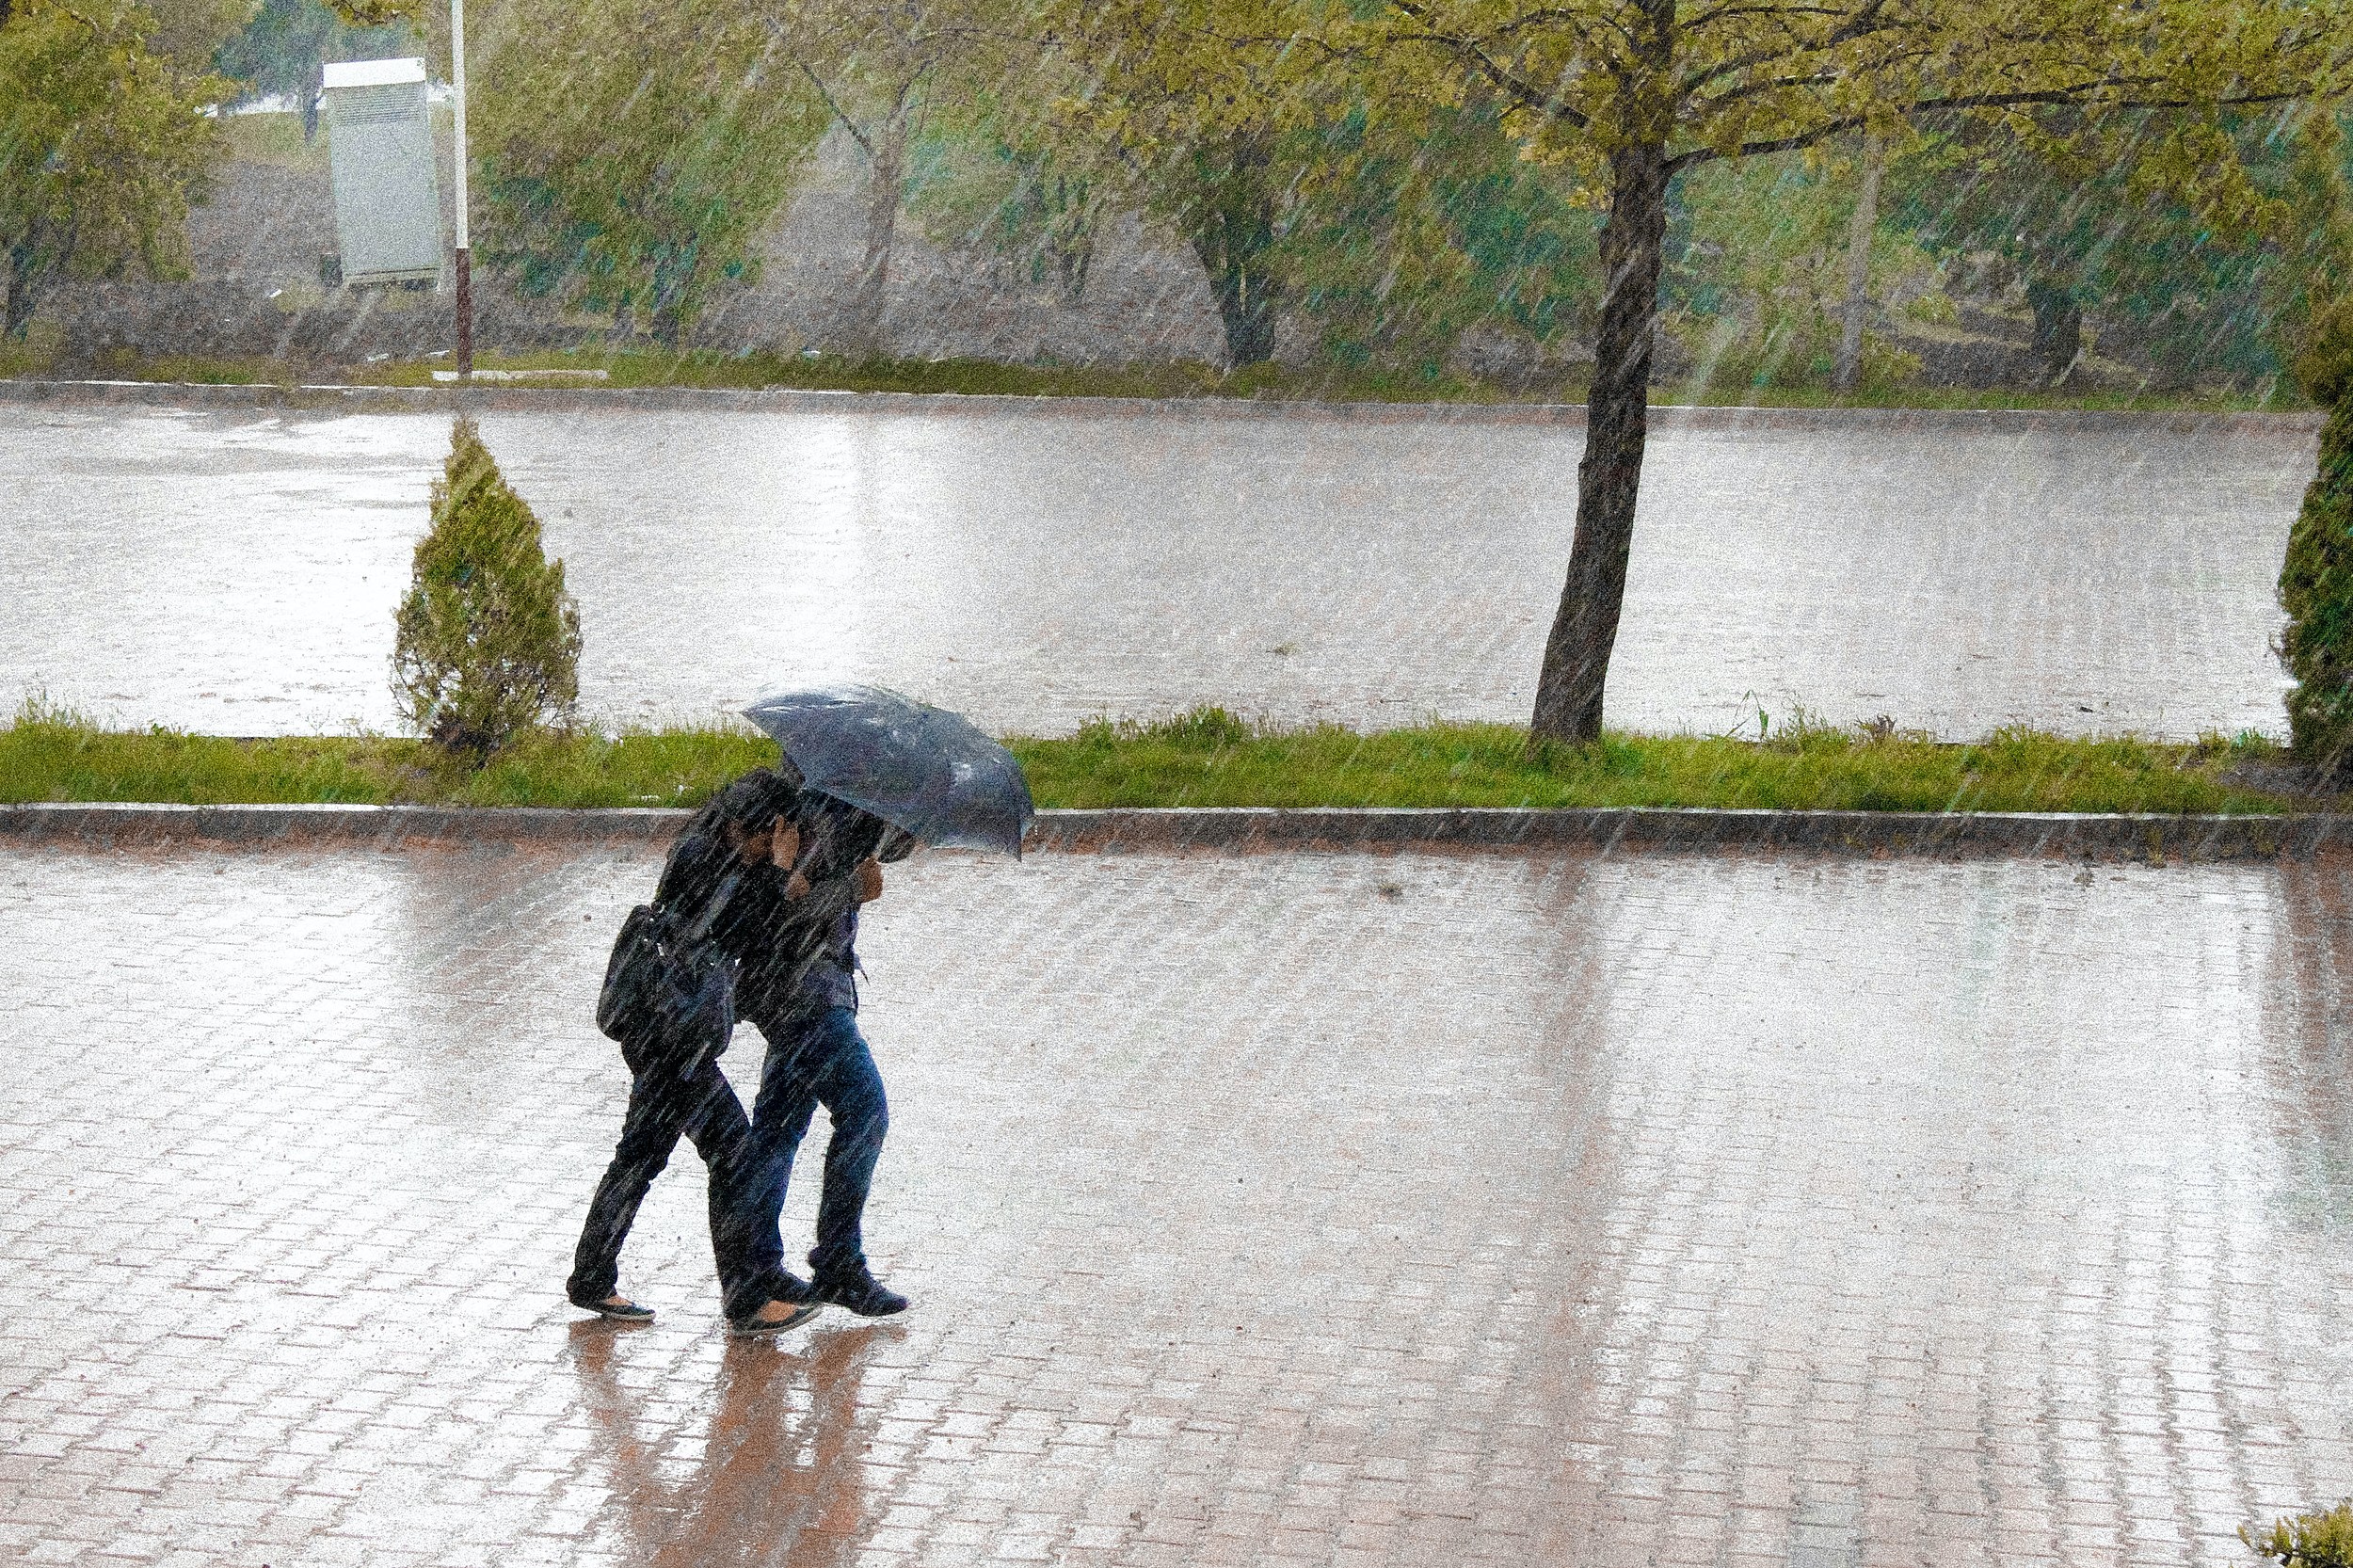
x=918, y=768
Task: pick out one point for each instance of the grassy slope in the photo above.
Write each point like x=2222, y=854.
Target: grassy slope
x=1204, y=759
x=1185, y=379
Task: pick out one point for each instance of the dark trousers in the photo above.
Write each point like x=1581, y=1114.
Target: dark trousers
x=813, y=1059
x=663, y=1103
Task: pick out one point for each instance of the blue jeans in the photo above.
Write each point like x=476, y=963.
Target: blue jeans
x=813, y=1059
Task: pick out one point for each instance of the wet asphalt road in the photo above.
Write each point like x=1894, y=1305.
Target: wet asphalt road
x=237, y=571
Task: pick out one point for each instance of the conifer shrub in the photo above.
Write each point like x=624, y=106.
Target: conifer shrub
x=488, y=645
x=2316, y=579
x=2322, y=1540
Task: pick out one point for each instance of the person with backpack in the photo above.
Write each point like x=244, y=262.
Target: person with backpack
x=676, y=1087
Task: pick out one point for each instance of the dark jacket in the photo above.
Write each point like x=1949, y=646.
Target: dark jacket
x=794, y=956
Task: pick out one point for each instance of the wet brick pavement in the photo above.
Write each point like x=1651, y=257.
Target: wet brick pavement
x=237, y=571
x=1334, y=1210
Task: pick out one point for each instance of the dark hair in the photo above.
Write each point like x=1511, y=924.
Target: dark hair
x=836, y=835
x=749, y=805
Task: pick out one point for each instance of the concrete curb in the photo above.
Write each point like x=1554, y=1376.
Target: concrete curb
x=1699, y=829
x=135, y=822
x=2158, y=839
x=351, y=399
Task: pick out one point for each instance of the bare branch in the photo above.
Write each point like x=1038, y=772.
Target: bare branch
x=1726, y=12
x=865, y=144
x=2083, y=94
x=1524, y=93
x=1862, y=25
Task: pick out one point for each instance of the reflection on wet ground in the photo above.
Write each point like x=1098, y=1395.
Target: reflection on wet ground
x=777, y=1473
x=237, y=571
x=1317, y=1209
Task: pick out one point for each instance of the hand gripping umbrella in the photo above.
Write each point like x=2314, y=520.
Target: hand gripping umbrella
x=921, y=769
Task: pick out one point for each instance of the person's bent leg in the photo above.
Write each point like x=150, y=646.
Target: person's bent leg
x=721, y=1132
x=658, y=1110
x=852, y=1091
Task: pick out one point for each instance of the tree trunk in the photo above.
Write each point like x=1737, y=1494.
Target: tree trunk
x=1245, y=306
x=19, y=313
x=673, y=277
x=2059, y=329
x=1617, y=429
x=1233, y=235
x=314, y=88
x=887, y=157
x=1071, y=263
x=1070, y=236
x=1866, y=222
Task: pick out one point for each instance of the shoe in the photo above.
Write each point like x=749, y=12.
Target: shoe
x=619, y=1308
x=857, y=1290
x=798, y=1313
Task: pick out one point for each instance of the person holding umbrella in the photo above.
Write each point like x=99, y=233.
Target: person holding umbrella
x=879, y=773
x=799, y=987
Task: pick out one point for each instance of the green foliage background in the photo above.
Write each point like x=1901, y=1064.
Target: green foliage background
x=281, y=49
x=630, y=150
x=102, y=145
x=628, y=153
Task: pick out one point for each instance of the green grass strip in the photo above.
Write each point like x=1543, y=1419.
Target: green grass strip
x=1178, y=379
x=1204, y=758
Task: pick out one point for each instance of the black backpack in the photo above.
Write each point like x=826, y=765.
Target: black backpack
x=668, y=986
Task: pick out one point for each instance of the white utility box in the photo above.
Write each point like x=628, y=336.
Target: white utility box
x=388, y=203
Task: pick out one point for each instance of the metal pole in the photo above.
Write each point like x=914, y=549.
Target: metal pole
x=464, y=251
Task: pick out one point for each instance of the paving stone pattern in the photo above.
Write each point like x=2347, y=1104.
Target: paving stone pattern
x=237, y=571
x=1284, y=1209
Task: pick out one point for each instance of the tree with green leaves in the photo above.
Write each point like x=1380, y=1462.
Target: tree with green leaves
x=2316, y=578
x=487, y=643
x=284, y=49
x=2212, y=287
x=1627, y=96
x=2320, y=1539
x=877, y=66
x=979, y=183
x=1388, y=235
x=1407, y=235
x=1771, y=267
x=189, y=33
x=102, y=147
x=631, y=151
x=1207, y=113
